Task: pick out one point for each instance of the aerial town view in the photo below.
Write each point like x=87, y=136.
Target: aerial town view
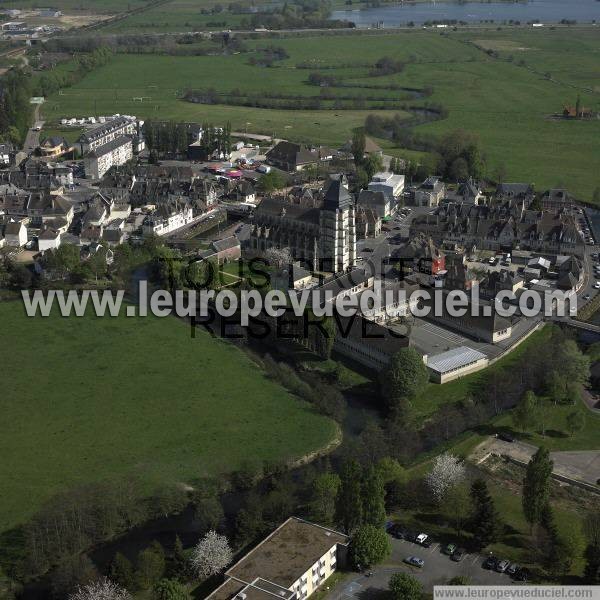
x=300, y=299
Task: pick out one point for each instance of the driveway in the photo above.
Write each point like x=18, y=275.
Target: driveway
x=581, y=466
x=438, y=570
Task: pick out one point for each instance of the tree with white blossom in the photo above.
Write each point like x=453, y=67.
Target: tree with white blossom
x=103, y=589
x=448, y=470
x=211, y=555
x=278, y=257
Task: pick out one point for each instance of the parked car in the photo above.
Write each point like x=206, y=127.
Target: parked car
x=523, y=575
x=414, y=561
x=597, y=285
x=427, y=543
x=513, y=568
x=421, y=538
x=502, y=565
x=367, y=249
x=449, y=549
x=506, y=437
x=492, y=260
x=397, y=531
x=586, y=296
x=410, y=536
x=490, y=562
x=458, y=555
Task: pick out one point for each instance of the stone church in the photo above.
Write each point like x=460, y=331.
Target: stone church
x=318, y=228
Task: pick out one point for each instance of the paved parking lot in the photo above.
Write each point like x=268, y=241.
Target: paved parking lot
x=438, y=570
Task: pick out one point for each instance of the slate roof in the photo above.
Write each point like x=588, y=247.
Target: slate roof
x=103, y=129
x=337, y=196
x=109, y=146
x=292, y=154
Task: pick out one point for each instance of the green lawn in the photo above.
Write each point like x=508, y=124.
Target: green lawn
x=87, y=6
x=86, y=399
x=435, y=395
x=506, y=103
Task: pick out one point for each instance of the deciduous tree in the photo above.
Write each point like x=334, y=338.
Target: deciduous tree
x=448, y=470
x=369, y=545
x=403, y=380
x=104, y=589
x=169, y=589
x=405, y=587
x=575, y=421
x=211, y=555
x=524, y=414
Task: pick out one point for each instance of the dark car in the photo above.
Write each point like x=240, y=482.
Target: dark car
x=523, y=575
x=410, y=536
x=397, y=531
x=449, y=549
x=367, y=250
x=427, y=543
x=490, y=562
x=459, y=555
x=506, y=437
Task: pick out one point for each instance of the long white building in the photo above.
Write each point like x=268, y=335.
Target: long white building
x=112, y=154
x=105, y=133
x=160, y=223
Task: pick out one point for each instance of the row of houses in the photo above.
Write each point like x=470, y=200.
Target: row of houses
x=502, y=224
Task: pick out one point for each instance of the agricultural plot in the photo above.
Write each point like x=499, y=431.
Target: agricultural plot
x=508, y=103
x=103, y=406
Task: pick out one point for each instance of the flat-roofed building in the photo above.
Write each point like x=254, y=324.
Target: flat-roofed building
x=291, y=563
x=112, y=154
x=455, y=363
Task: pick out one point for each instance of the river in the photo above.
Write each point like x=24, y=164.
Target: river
x=544, y=11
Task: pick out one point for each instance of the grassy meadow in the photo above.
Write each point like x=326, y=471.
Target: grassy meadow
x=87, y=6
x=507, y=99
x=94, y=398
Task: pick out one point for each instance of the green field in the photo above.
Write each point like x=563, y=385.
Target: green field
x=87, y=6
x=508, y=104
x=177, y=15
x=87, y=399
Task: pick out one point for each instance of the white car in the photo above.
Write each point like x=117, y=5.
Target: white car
x=422, y=537
x=597, y=285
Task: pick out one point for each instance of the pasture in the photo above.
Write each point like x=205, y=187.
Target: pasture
x=507, y=97
x=92, y=399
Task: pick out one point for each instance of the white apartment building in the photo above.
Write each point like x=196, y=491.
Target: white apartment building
x=112, y=154
x=162, y=224
x=291, y=564
x=106, y=132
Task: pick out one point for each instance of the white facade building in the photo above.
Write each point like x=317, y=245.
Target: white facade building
x=290, y=564
x=112, y=154
x=106, y=132
x=157, y=224
x=48, y=240
x=390, y=184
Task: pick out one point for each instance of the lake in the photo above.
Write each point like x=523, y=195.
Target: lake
x=544, y=11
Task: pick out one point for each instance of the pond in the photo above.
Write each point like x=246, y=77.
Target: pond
x=544, y=11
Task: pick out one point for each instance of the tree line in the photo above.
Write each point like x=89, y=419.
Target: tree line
x=49, y=82
x=15, y=109
x=173, y=138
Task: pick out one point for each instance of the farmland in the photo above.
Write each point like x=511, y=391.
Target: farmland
x=487, y=82
x=103, y=406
